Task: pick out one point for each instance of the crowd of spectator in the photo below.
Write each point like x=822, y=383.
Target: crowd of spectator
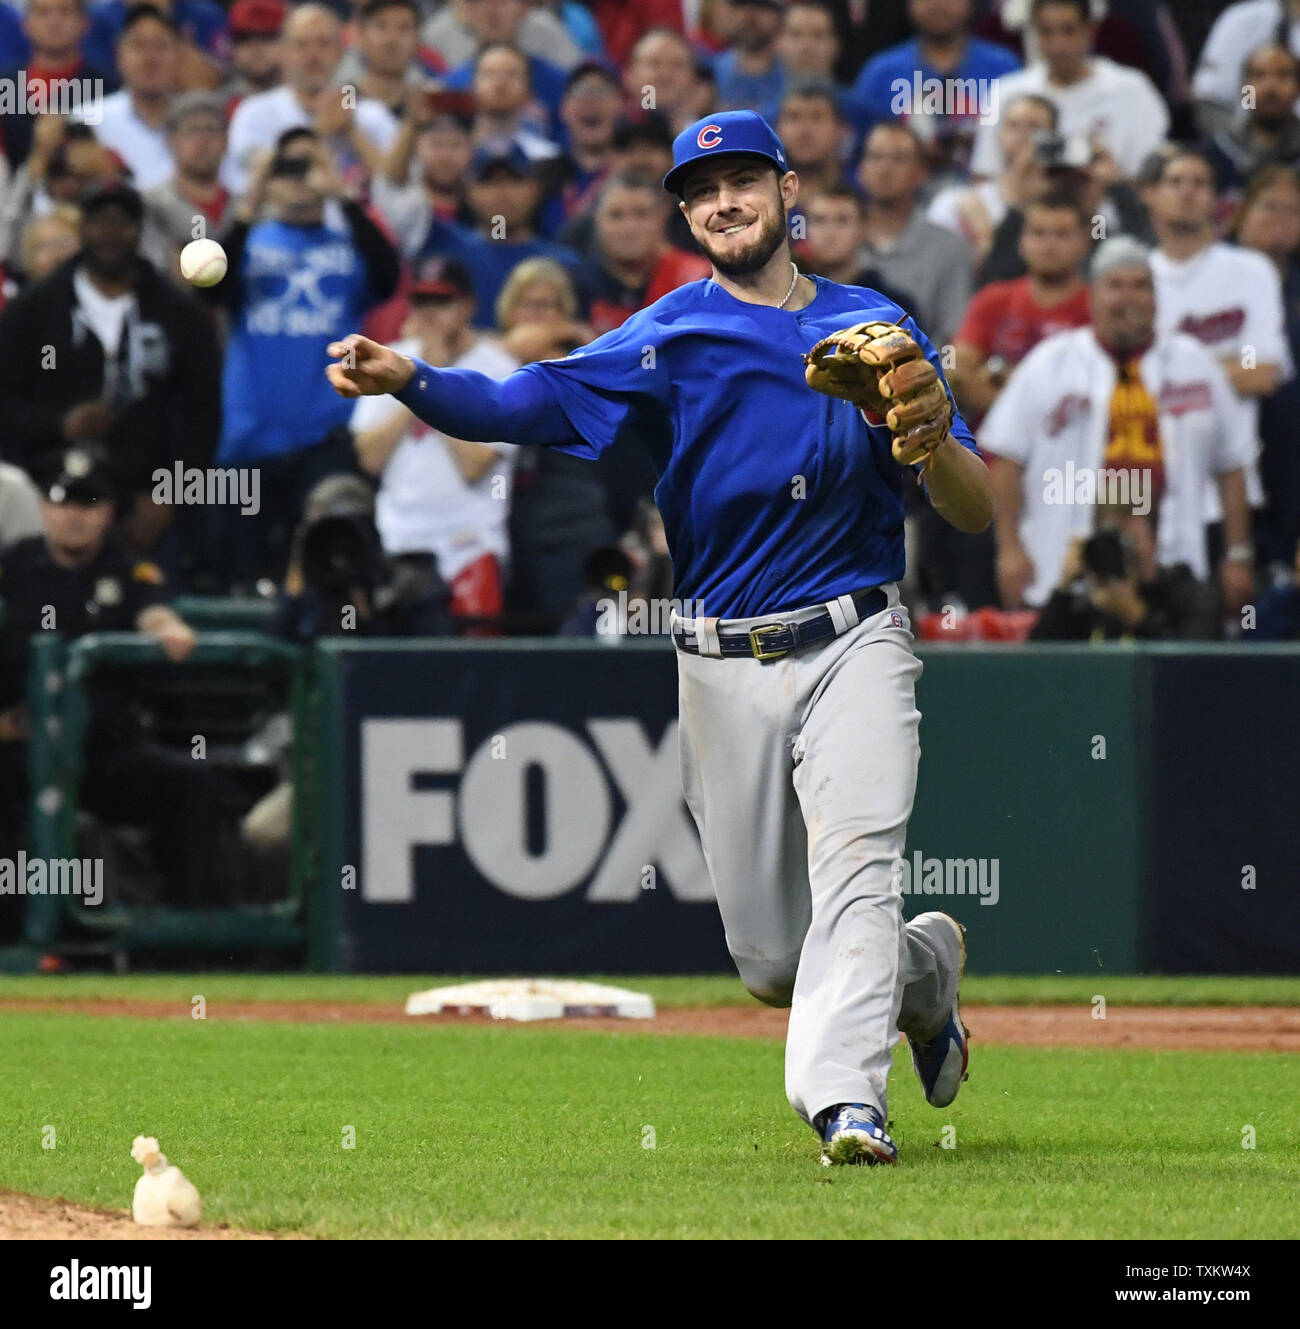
x=1092, y=208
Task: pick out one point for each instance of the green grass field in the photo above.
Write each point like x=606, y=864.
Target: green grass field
x=539, y=1132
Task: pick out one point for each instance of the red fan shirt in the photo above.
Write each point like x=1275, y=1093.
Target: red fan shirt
x=610, y=304
x=1004, y=320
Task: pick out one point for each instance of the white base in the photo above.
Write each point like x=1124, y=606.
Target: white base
x=532, y=999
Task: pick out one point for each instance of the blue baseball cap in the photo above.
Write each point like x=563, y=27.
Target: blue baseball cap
x=501, y=152
x=722, y=135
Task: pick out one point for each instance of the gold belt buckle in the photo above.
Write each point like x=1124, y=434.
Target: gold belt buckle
x=756, y=645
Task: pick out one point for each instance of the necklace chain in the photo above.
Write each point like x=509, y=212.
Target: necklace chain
x=793, y=281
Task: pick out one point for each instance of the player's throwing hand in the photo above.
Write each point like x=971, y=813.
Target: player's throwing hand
x=365, y=368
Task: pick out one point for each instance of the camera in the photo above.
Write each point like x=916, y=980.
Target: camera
x=1060, y=152
x=1108, y=556
x=289, y=168
x=341, y=552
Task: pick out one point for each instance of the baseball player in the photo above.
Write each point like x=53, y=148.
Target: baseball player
x=784, y=414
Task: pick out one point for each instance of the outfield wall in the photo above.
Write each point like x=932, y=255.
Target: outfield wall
x=498, y=807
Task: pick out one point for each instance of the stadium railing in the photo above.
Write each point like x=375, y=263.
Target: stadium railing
x=59, y=704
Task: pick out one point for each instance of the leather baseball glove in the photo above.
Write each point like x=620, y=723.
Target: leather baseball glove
x=880, y=368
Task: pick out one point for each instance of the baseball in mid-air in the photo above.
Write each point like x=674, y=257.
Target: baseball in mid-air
x=203, y=262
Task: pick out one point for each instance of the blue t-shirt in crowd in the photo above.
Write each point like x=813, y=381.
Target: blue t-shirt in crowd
x=583, y=28
x=14, y=47
x=546, y=80
x=490, y=262
x=304, y=287
x=739, y=91
x=202, y=22
x=881, y=77
x=773, y=496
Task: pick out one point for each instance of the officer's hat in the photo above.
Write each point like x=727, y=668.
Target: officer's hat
x=79, y=473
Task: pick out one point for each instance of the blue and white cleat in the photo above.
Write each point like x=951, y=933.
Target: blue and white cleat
x=941, y=1063
x=854, y=1133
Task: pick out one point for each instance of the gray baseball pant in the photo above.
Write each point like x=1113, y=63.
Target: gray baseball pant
x=800, y=774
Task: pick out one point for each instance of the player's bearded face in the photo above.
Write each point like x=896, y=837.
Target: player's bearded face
x=740, y=225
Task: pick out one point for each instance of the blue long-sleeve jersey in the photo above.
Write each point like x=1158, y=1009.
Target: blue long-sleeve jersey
x=773, y=496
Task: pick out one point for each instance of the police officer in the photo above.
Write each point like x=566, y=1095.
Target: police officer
x=75, y=578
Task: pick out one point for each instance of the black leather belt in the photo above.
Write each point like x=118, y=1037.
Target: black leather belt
x=771, y=640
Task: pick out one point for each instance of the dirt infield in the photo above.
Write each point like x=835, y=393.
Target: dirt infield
x=32, y=1218
x=1202, y=1028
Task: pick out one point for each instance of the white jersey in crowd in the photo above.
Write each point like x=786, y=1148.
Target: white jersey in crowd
x=1239, y=30
x=1053, y=419
x=1112, y=102
x=1229, y=299
x=259, y=121
x=425, y=505
x=142, y=147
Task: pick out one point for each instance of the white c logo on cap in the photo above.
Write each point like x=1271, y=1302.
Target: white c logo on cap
x=710, y=136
